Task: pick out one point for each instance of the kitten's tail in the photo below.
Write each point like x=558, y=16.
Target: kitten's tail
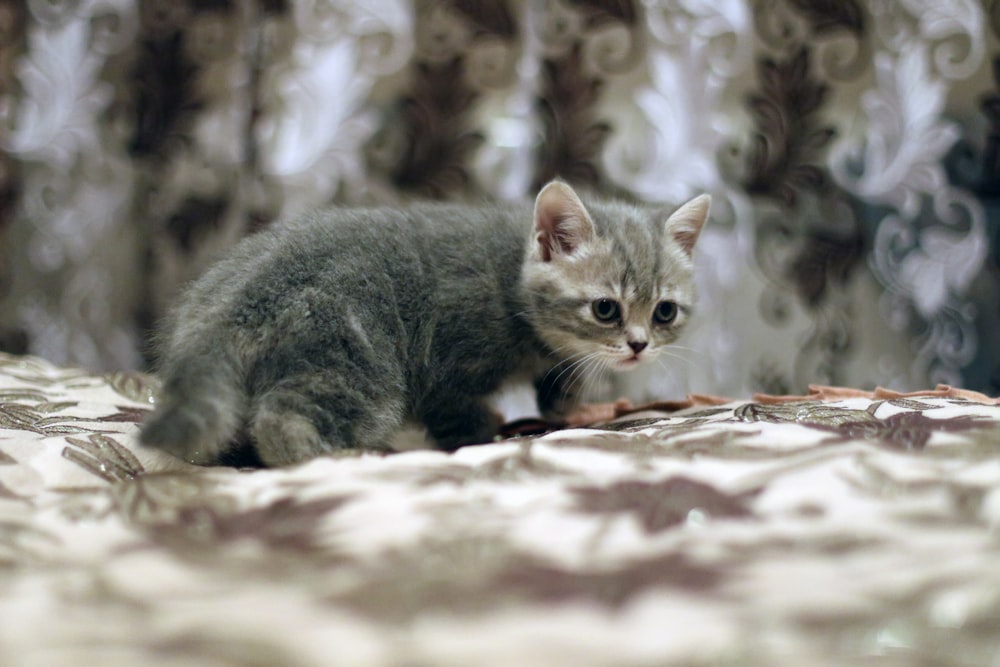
x=201, y=408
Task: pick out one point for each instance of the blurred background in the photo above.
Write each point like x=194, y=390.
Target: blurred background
x=852, y=148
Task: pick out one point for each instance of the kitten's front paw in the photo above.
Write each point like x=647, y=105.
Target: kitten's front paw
x=473, y=425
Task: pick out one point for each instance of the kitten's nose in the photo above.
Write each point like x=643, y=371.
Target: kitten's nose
x=637, y=345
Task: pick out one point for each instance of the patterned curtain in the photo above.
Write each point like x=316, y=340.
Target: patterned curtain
x=852, y=148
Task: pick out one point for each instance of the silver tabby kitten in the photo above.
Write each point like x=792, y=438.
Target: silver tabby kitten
x=330, y=331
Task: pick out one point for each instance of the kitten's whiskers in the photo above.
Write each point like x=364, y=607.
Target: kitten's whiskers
x=581, y=371
x=670, y=354
x=683, y=348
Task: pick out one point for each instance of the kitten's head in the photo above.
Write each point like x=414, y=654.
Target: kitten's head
x=610, y=282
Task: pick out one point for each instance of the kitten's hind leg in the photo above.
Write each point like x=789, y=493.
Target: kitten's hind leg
x=283, y=437
x=319, y=413
x=199, y=409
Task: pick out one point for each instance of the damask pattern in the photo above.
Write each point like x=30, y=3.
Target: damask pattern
x=838, y=527
x=850, y=148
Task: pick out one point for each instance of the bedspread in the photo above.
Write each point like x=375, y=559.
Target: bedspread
x=839, y=526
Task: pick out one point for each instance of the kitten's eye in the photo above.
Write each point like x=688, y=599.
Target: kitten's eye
x=606, y=310
x=665, y=313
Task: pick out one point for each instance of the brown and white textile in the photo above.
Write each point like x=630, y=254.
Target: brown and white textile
x=838, y=528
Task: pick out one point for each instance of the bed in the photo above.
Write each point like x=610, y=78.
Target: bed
x=773, y=530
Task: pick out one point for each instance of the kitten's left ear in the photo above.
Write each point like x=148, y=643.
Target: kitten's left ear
x=562, y=224
x=684, y=225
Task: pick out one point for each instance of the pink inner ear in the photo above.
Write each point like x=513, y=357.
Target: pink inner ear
x=686, y=237
x=557, y=236
x=561, y=221
x=685, y=224
x=545, y=246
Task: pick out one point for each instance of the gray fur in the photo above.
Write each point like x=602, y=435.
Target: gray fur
x=329, y=331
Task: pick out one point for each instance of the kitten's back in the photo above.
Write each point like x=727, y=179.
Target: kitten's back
x=381, y=294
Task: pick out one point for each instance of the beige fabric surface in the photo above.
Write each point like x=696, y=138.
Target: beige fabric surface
x=860, y=529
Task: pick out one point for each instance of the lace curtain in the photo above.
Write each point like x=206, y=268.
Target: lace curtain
x=851, y=148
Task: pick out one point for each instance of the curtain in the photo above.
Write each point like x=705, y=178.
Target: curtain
x=852, y=149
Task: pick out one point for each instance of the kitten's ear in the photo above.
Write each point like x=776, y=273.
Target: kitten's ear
x=684, y=225
x=562, y=223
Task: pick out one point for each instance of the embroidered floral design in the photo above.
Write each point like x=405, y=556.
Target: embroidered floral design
x=659, y=506
x=910, y=430
x=104, y=457
x=493, y=19
x=585, y=537
x=469, y=575
x=284, y=525
x=828, y=16
x=12, y=23
x=167, y=100
x=138, y=387
x=436, y=145
x=573, y=138
x=786, y=149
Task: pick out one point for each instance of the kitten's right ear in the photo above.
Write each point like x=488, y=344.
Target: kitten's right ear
x=562, y=224
x=685, y=224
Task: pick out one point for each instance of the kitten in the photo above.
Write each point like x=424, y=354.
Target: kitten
x=329, y=331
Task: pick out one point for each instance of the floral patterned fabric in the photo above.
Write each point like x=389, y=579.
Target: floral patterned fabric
x=851, y=148
x=841, y=527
